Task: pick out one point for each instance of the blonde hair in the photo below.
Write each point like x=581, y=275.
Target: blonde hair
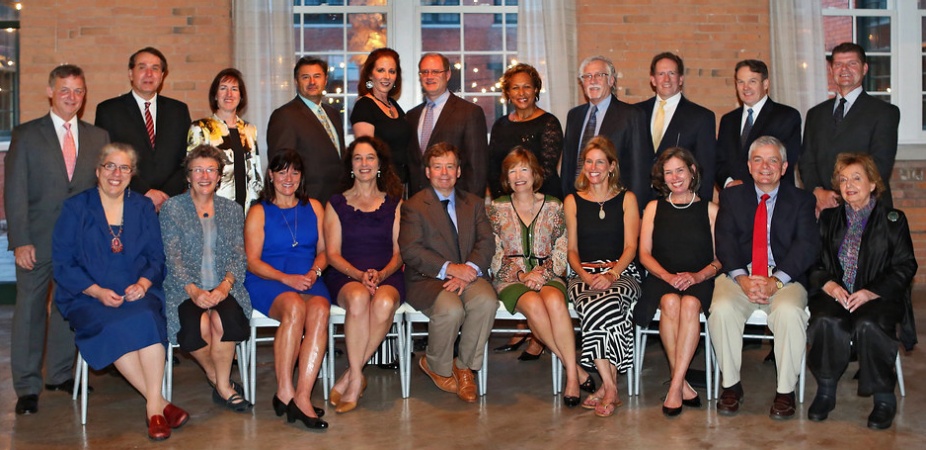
x=605, y=145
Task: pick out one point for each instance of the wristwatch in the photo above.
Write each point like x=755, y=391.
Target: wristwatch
x=778, y=283
x=318, y=272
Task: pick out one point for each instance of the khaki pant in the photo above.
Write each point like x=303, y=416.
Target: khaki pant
x=471, y=315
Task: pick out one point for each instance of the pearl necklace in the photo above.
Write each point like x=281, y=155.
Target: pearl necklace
x=669, y=199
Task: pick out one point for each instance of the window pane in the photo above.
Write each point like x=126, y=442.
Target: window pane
x=879, y=74
x=320, y=33
x=366, y=32
x=924, y=113
x=481, y=32
x=468, y=2
x=874, y=33
x=8, y=80
x=870, y=4
x=922, y=4
x=840, y=4
x=440, y=32
x=481, y=72
x=511, y=30
x=836, y=30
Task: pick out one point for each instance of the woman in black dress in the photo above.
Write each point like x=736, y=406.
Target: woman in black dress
x=377, y=113
x=677, y=248
x=527, y=126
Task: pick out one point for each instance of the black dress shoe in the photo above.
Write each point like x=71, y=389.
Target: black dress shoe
x=29, y=404
x=783, y=407
x=67, y=386
x=390, y=366
x=589, y=385
x=730, y=401
x=820, y=408
x=527, y=356
x=671, y=412
x=692, y=402
x=881, y=417
x=280, y=408
x=293, y=413
x=570, y=401
x=511, y=347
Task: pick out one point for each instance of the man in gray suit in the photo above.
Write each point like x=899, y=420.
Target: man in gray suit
x=444, y=117
x=447, y=244
x=50, y=159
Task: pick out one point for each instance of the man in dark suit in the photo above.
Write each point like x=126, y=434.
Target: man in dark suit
x=312, y=128
x=50, y=159
x=444, y=117
x=154, y=125
x=447, y=244
x=766, y=271
x=853, y=121
x=759, y=116
x=675, y=121
x=622, y=123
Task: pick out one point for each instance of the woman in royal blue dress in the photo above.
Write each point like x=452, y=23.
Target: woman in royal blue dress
x=109, y=265
x=361, y=233
x=285, y=250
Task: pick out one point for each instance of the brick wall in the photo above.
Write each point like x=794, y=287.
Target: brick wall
x=909, y=188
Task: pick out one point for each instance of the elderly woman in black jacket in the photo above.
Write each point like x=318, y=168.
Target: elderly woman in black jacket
x=860, y=292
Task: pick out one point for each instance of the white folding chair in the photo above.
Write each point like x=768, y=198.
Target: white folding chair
x=169, y=369
x=337, y=315
x=640, y=350
x=81, y=386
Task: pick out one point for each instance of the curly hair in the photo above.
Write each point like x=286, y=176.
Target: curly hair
x=386, y=180
x=527, y=69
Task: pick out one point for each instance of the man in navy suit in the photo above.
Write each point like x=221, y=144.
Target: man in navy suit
x=624, y=124
x=154, y=125
x=453, y=120
x=758, y=116
x=50, y=159
x=766, y=270
x=675, y=121
x=853, y=121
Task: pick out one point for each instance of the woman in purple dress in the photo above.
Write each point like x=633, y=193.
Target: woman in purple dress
x=361, y=231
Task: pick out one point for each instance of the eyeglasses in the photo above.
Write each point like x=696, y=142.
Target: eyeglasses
x=206, y=170
x=594, y=76
x=111, y=167
x=427, y=73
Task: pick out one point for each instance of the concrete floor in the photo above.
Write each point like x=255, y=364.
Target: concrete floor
x=518, y=412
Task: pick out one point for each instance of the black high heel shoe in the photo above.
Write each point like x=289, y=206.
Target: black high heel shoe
x=671, y=412
x=589, y=385
x=280, y=408
x=293, y=413
x=511, y=347
x=570, y=402
x=692, y=402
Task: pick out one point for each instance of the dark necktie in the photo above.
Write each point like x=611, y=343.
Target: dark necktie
x=587, y=135
x=149, y=124
x=840, y=112
x=760, y=239
x=746, y=128
x=453, y=227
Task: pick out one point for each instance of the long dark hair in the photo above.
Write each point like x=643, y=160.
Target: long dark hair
x=283, y=160
x=387, y=181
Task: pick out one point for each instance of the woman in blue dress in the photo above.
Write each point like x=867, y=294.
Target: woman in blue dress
x=361, y=232
x=285, y=250
x=109, y=265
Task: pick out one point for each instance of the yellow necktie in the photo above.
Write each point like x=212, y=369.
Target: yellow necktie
x=658, y=123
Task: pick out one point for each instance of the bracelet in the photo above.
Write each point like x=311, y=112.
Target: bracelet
x=231, y=284
x=716, y=269
x=318, y=271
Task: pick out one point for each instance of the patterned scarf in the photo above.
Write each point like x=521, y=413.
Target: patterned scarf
x=848, y=251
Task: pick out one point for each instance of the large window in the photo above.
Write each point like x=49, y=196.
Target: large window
x=478, y=36
x=893, y=34
x=9, y=67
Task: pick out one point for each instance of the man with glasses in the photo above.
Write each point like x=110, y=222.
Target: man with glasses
x=444, y=117
x=605, y=115
x=154, y=125
x=853, y=121
x=50, y=159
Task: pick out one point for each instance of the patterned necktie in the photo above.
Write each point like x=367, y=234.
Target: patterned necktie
x=840, y=112
x=746, y=128
x=149, y=124
x=760, y=239
x=329, y=127
x=658, y=124
x=427, y=126
x=587, y=135
x=453, y=226
x=69, y=149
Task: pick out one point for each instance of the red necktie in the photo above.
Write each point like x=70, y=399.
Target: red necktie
x=149, y=124
x=760, y=239
x=69, y=150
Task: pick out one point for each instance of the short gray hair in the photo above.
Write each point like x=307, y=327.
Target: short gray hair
x=114, y=147
x=769, y=140
x=607, y=62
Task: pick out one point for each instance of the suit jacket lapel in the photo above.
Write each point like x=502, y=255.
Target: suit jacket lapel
x=465, y=225
x=674, y=130
x=608, y=122
x=438, y=217
x=56, y=157
x=136, y=119
x=444, y=120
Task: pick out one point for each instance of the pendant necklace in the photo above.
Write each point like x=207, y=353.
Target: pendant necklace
x=392, y=114
x=601, y=214
x=296, y=220
x=669, y=199
x=116, y=244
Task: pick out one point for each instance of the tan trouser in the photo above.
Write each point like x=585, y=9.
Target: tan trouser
x=471, y=315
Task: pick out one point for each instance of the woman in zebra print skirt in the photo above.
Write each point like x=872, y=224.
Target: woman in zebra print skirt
x=603, y=224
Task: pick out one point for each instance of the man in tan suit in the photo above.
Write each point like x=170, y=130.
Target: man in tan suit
x=447, y=245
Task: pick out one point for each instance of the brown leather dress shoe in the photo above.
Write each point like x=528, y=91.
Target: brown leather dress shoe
x=175, y=416
x=729, y=402
x=783, y=406
x=158, y=430
x=466, y=384
x=446, y=384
